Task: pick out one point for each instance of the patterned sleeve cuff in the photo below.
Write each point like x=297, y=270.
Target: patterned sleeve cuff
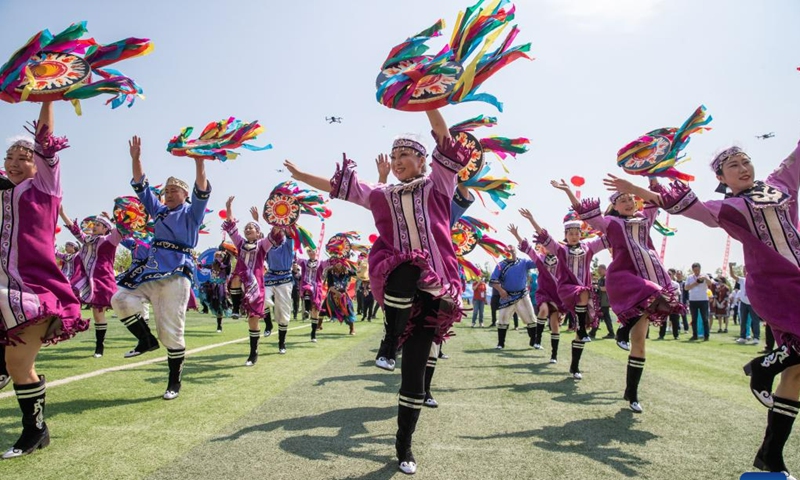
x=678, y=198
x=588, y=208
x=46, y=145
x=543, y=238
x=463, y=201
x=202, y=194
x=525, y=245
x=229, y=225
x=75, y=229
x=141, y=185
x=343, y=178
x=450, y=154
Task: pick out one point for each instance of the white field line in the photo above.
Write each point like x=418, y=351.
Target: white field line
x=129, y=366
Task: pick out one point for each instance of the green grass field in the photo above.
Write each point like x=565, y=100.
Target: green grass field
x=323, y=411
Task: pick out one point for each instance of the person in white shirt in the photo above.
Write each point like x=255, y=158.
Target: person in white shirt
x=748, y=318
x=697, y=285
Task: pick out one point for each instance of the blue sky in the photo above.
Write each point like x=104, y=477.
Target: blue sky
x=605, y=72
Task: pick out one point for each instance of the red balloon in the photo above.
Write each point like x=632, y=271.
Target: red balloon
x=577, y=181
x=373, y=238
x=223, y=214
x=326, y=213
x=58, y=229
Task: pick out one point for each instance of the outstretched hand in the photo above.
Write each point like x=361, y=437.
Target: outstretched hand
x=616, y=184
x=515, y=231
x=135, y=147
x=254, y=213
x=562, y=185
x=292, y=169
x=526, y=214
x=384, y=167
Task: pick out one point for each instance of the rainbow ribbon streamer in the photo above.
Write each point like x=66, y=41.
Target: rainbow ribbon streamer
x=218, y=140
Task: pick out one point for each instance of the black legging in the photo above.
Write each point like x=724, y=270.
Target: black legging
x=494, y=304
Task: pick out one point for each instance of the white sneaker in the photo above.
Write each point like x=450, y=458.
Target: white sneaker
x=586, y=339
x=249, y=363
x=384, y=364
x=536, y=346
x=636, y=407
x=267, y=333
x=313, y=340
x=751, y=342
x=282, y=351
x=4, y=380
x=553, y=360
x=740, y=340
x=499, y=347
x=577, y=376
x=431, y=402
x=219, y=330
x=409, y=468
x=98, y=355
x=624, y=345
x=171, y=395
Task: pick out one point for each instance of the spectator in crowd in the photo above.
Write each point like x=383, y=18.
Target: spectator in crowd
x=684, y=299
x=674, y=318
x=478, y=301
x=748, y=318
x=697, y=285
x=721, y=304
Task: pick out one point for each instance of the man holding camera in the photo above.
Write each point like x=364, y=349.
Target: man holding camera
x=697, y=285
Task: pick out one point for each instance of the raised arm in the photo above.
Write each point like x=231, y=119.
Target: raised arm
x=46, y=121
x=135, y=148
x=73, y=227
x=732, y=273
x=515, y=232
x=526, y=214
x=314, y=181
x=787, y=175
x=438, y=125
x=200, y=179
x=562, y=185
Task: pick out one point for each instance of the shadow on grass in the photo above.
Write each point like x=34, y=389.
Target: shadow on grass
x=565, y=391
x=352, y=438
x=382, y=382
x=592, y=438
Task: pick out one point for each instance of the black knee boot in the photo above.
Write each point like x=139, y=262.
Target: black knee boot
x=763, y=370
x=5, y=378
x=146, y=341
x=554, y=339
x=635, y=370
x=100, y=338
x=236, y=302
x=502, y=330
x=540, y=323
x=582, y=313
x=408, y=411
x=779, y=426
x=253, y=357
x=531, y=329
x=430, y=368
x=31, y=399
x=268, y=322
x=313, y=330
x=175, y=359
x=282, y=329
x=575, y=366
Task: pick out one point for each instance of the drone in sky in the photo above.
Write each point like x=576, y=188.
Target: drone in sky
x=765, y=136
x=333, y=119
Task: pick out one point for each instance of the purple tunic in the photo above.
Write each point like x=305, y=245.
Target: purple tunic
x=764, y=219
x=94, y=280
x=637, y=281
x=311, y=280
x=574, y=271
x=250, y=268
x=413, y=223
x=547, y=289
x=35, y=288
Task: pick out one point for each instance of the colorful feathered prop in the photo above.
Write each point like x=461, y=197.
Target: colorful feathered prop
x=61, y=67
x=218, y=140
x=411, y=80
x=656, y=153
x=130, y=216
x=286, y=203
